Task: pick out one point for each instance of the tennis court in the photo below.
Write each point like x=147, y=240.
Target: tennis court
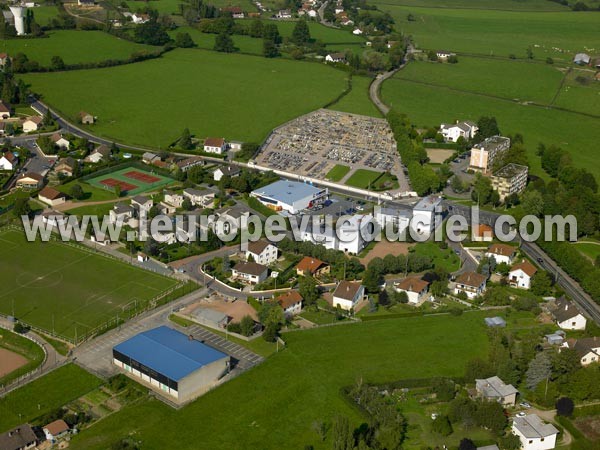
x=131, y=181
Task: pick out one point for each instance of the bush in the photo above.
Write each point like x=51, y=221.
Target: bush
x=441, y=425
x=565, y=407
x=20, y=328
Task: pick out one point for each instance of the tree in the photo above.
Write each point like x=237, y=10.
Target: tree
x=301, y=33
x=256, y=29
x=539, y=370
x=488, y=127
x=76, y=192
x=477, y=368
x=247, y=325
x=224, y=43
x=270, y=49
x=151, y=33
x=441, y=425
x=21, y=207
x=490, y=415
x=565, y=407
x=151, y=247
x=185, y=141
x=47, y=119
x=343, y=438
x=541, y=283
x=432, y=55
x=509, y=442
x=309, y=291
x=271, y=31
x=384, y=298
x=457, y=185
x=117, y=190
x=372, y=280
x=187, y=204
x=467, y=444
x=184, y=40
x=57, y=63
x=443, y=389
x=529, y=53
x=533, y=202
x=270, y=332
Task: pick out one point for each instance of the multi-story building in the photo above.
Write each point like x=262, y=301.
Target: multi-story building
x=510, y=179
x=484, y=154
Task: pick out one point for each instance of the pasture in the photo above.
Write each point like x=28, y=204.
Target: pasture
x=507, y=5
x=45, y=394
x=74, y=47
x=131, y=180
x=264, y=93
x=357, y=101
x=301, y=383
x=43, y=14
x=69, y=290
x=244, y=44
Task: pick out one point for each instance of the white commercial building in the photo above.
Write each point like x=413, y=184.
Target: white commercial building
x=290, y=196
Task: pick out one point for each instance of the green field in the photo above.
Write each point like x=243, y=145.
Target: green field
x=580, y=92
x=363, y=178
x=499, y=33
x=262, y=93
x=43, y=14
x=508, y=5
x=24, y=347
x=338, y=172
x=75, y=288
x=45, y=394
x=300, y=384
x=119, y=175
x=589, y=249
x=162, y=6
x=357, y=101
x=90, y=193
x=444, y=258
x=244, y=44
x=75, y=47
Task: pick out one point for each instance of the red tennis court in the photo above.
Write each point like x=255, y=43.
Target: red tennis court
x=140, y=176
x=111, y=182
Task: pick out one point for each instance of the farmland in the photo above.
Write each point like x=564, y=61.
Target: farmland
x=74, y=47
x=321, y=361
x=67, y=289
x=357, y=101
x=144, y=115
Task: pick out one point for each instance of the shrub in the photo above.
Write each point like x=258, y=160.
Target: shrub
x=565, y=407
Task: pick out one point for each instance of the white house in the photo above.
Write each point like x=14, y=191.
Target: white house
x=139, y=19
x=99, y=154
x=347, y=294
x=149, y=158
x=502, y=253
x=291, y=303
x=249, y=272
x=444, y=54
x=215, y=145
x=55, y=430
x=142, y=203
x=533, y=433
x=229, y=171
x=471, y=284
x=520, y=274
x=397, y=219
x=452, y=132
x=262, y=252
x=423, y=220
x=284, y=14
x=336, y=58
x=203, y=198
x=357, y=31
x=8, y=161
x=142, y=257
x=567, y=316
x=51, y=196
x=415, y=288
x=60, y=141
x=588, y=350
x=32, y=123
x=174, y=199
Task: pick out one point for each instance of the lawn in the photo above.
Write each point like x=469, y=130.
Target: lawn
x=446, y=259
x=90, y=193
x=429, y=106
x=363, y=178
x=45, y=394
x=302, y=384
x=43, y=14
x=581, y=92
x=74, y=47
x=338, y=172
x=266, y=93
x=319, y=317
x=162, y=6
x=73, y=287
x=357, y=101
x=589, y=249
x=244, y=44
x=24, y=347
x=100, y=210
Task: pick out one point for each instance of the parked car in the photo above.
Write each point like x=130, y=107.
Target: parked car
x=525, y=405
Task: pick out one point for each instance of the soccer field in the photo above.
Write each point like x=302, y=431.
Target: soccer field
x=69, y=290
x=131, y=180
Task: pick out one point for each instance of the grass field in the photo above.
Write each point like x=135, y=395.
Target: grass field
x=43, y=14
x=589, y=249
x=302, y=384
x=357, y=101
x=508, y=5
x=155, y=181
x=338, y=172
x=244, y=44
x=363, y=178
x=45, y=394
x=580, y=96
x=162, y=6
x=74, y=47
x=266, y=93
x=72, y=287
x=446, y=259
x=24, y=347
x=90, y=193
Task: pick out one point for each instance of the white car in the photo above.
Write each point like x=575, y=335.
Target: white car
x=521, y=414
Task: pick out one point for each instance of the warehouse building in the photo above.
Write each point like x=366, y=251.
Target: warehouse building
x=171, y=363
x=290, y=196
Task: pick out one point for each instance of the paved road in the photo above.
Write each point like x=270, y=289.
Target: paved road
x=375, y=87
x=38, y=162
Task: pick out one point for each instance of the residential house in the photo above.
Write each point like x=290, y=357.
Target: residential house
x=452, y=132
x=5, y=110
x=291, y=303
x=483, y=233
x=8, y=161
x=86, y=2
x=33, y=123
x=495, y=389
x=582, y=59
x=534, y=433
x=471, y=283
x=66, y=166
x=520, y=274
x=55, y=430
x=203, y=198
x=215, y=145
x=249, y=272
x=166, y=208
x=338, y=57
x=236, y=11
x=20, y=438
x=142, y=203
x=121, y=213
x=284, y=14
x=309, y=266
x=510, y=179
x=101, y=153
x=60, y=141
x=415, y=288
x=226, y=171
x=149, y=158
x=348, y=294
x=484, y=154
x=51, y=196
x=186, y=164
x=174, y=199
x=231, y=218
x=86, y=118
x=139, y=19
x=235, y=145
x=262, y=252
x=567, y=315
x=588, y=350
x=30, y=180
x=502, y=253
x=444, y=54
x=358, y=32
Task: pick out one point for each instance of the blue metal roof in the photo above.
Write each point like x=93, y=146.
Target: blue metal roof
x=169, y=352
x=288, y=191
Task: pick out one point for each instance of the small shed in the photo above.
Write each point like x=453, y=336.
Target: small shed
x=495, y=322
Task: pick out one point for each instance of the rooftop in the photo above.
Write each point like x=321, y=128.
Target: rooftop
x=311, y=264
x=287, y=191
x=471, y=279
x=17, y=438
x=428, y=203
x=526, y=267
x=564, y=310
x=494, y=387
x=57, y=427
x=531, y=426
x=251, y=268
x=289, y=299
x=501, y=250
x=346, y=290
x=510, y=170
x=169, y=352
x=412, y=284
x=258, y=247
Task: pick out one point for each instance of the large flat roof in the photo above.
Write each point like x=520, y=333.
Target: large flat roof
x=287, y=191
x=169, y=352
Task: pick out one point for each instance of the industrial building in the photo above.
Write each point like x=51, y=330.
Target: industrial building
x=171, y=363
x=290, y=196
